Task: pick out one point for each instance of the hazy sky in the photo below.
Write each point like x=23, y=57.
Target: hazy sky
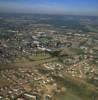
x=76, y=7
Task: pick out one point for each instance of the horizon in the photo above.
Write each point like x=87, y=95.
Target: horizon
x=51, y=7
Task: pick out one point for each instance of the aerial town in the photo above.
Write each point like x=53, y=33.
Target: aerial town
x=46, y=57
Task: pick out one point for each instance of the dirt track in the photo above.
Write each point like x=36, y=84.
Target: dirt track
x=25, y=64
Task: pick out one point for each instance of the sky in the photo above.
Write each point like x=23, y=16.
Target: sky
x=65, y=7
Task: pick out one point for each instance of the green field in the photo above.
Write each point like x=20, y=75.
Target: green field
x=80, y=88
x=93, y=29
x=66, y=96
